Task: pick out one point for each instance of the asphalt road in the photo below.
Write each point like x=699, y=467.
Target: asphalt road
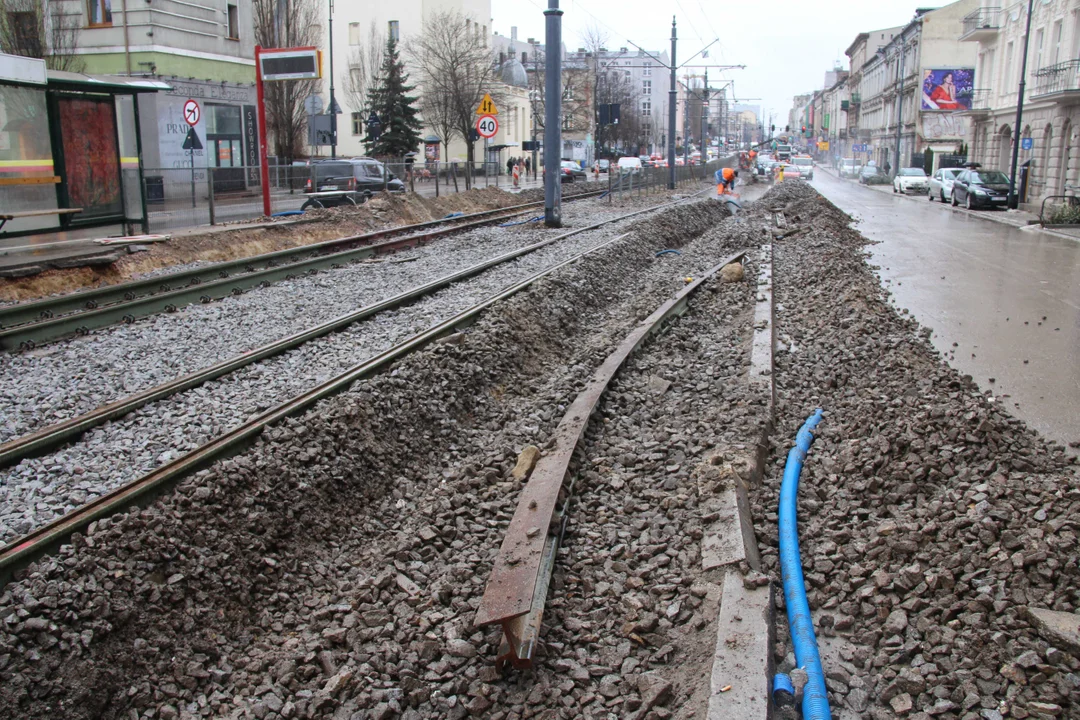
x=1008, y=298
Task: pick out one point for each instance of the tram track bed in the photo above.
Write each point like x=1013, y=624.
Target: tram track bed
x=283, y=565
x=930, y=520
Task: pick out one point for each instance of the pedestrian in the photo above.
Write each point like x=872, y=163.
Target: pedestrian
x=528, y=165
x=517, y=173
x=596, y=171
x=888, y=167
x=509, y=165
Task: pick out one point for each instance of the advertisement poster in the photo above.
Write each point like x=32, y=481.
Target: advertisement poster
x=948, y=89
x=91, y=156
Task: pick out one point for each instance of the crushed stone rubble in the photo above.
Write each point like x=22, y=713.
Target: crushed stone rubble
x=334, y=569
x=76, y=375
x=929, y=518
x=38, y=490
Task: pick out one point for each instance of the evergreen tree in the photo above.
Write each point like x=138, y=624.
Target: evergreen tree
x=395, y=107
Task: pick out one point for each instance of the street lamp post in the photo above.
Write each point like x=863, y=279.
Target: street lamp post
x=1014, y=200
x=333, y=103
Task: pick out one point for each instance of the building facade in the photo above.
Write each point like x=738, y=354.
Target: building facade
x=1050, y=127
x=205, y=52
x=914, y=88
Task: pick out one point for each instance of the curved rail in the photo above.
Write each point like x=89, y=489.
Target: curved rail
x=516, y=592
x=50, y=536
x=815, y=704
x=25, y=324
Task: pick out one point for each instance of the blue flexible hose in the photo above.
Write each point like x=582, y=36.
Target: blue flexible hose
x=538, y=218
x=815, y=704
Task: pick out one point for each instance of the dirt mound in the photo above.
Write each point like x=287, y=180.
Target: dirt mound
x=244, y=239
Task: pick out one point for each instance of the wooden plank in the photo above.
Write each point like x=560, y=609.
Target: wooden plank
x=36, y=213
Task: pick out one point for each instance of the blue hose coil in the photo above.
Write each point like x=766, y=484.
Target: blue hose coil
x=815, y=703
x=668, y=251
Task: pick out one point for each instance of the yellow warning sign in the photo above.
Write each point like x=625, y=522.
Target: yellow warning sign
x=487, y=106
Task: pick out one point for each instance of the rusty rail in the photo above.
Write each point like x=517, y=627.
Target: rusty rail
x=516, y=592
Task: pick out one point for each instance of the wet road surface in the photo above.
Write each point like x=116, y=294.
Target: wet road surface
x=1009, y=299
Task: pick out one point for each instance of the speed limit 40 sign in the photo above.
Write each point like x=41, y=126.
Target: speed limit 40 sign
x=487, y=126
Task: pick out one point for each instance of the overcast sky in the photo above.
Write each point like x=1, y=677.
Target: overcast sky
x=786, y=45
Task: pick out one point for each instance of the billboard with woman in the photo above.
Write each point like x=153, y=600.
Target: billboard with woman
x=947, y=89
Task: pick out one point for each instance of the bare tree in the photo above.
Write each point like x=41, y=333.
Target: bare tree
x=452, y=61
x=41, y=29
x=364, y=62
x=578, y=108
x=286, y=121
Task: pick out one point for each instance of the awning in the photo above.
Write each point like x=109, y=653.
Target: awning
x=61, y=79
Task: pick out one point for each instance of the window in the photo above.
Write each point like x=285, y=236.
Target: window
x=357, y=123
x=1006, y=69
x=646, y=108
x=354, y=33
x=24, y=31
x=394, y=32
x=646, y=87
x=1038, y=49
x=566, y=122
x=484, y=35
x=234, y=22
x=626, y=73
x=100, y=13
x=647, y=70
x=1057, y=42
x=568, y=92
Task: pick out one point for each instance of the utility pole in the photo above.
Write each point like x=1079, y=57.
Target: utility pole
x=553, y=115
x=333, y=103
x=703, y=131
x=1014, y=199
x=900, y=104
x=672, y=99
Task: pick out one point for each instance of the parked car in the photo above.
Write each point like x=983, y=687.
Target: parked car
x=330, y=175
x=849, y=168
x=941, y=183
x=806, y=166
x=605, y=165
x=371, y=176
x=981, y=188
x=791, y=172
x=631, y=165
x=576, y=171
x=910, y=180
x=873, y=175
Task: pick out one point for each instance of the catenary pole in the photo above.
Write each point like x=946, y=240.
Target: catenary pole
x=553, y=115
x=672, y=100
x=1014, y=199
x=900, y=105
x=333, y=104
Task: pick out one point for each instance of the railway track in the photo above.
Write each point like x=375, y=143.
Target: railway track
x=42, y=539
x=24, y=325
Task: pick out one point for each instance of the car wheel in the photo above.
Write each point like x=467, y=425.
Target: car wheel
x=930, y=196
x=952, y=199
x=312, y=204
x=943, y=195
x=967, y=202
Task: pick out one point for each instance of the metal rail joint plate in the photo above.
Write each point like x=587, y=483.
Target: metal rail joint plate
x=516, y=591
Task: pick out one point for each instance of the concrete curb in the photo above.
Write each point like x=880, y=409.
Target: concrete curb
x=742, y=659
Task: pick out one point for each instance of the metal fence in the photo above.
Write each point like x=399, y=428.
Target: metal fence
x=186, y=197
x=624, y=182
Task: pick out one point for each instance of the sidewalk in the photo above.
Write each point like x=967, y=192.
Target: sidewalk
x=1021, y=219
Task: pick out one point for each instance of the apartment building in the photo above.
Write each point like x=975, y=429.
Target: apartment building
x=865, y=46
x=204, y=51
x=1050, y=127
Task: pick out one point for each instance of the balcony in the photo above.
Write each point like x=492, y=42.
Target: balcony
x=981, y=25
x=1058, y=82
x=981, y=103
x=856, y=98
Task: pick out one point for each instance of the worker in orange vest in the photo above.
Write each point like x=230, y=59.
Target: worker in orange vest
x=725, y=181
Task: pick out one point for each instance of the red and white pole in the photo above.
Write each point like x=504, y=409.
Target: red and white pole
x=264, y=166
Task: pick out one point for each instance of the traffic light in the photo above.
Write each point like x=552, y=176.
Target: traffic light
x=787, y=128
x=804, y=129
x=772, y=128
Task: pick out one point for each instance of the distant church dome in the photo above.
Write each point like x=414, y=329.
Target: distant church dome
x=513, y=72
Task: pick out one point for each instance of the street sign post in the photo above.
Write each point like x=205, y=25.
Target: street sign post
x=487, y=106
x=487, y=126
x=192, y=113
x=191, y=144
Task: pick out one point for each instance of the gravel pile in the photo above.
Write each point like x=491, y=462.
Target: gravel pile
x=334, y=569
x=929, y=517
x=75, y=376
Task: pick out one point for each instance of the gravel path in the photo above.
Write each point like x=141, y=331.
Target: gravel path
x=929, y=517
x=74, y=376
x=335, y=567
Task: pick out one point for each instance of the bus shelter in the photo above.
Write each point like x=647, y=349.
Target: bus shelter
x=70, y=154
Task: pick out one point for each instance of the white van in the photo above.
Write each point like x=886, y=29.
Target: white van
x=631, y=165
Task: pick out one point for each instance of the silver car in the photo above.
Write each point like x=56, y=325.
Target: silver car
x=941, y=184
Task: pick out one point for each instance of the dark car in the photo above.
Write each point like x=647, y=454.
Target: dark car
x=372, y=176
x=329, y=176
x=873, y=175
x=575, y=171
x=981, y=188
x=605, y=165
